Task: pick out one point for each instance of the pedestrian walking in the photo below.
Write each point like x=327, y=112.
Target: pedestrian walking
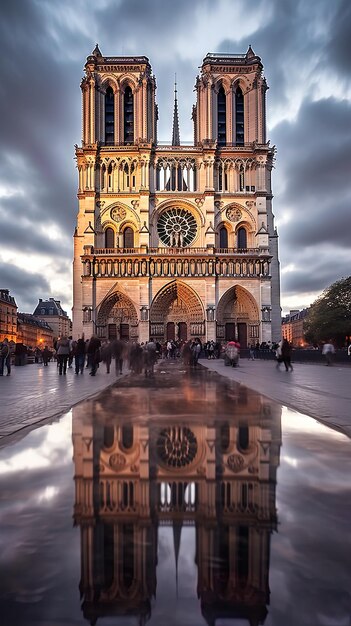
x=328, y=351
x=5, y=357
x=46, y=354
x=94, y=355
x=79, y=355
x=106, y=355
x=286, y=355
x=118, y=349
x=278, y=354
x=63, y=350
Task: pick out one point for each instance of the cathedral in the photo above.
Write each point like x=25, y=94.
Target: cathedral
x=175, y=241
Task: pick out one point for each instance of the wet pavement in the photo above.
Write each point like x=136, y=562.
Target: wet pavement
x=186, y=499
x=33, y=394
x=314, y=389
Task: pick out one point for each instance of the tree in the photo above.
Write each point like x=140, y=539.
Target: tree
x=329, y=317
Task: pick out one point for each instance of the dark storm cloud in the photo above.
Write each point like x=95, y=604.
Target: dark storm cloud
x=314, y=161
x=305, y=48
x=289, y=41
x=25, y=287
x=40, y=109
x=338, y=50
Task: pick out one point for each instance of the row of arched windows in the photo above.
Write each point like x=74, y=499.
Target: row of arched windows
x=128, y=116
x=241, y=238
x=128, y=238
x=222, y=117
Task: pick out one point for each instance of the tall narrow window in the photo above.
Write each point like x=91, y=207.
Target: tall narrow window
x=223, y=237
x=109, y=116
x=242, y=238
x=241, y=178
x=221, y=118
x=239, y=121
x=128, y=237
x=109, y=238
x=128, y=116
x=109, y=176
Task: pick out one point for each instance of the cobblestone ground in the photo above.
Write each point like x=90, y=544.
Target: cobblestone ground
x=316, y=390
x=34, y=394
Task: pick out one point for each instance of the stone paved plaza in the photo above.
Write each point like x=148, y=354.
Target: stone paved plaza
x=34, y=394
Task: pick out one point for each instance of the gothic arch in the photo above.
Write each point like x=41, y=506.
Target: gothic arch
x=222, y=81
x=109, y=81
x=177, y=291
x=127, y=209
x=127, y=81
x=240, y=81
x=247, y=215
x=235, y=304
x=118, y=307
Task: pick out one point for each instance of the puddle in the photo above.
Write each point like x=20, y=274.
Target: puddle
x=185, y=499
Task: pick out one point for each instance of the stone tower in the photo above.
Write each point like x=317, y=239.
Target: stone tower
x=175, y=241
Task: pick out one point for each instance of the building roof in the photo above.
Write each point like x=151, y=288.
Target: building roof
x=49, y=307
x=5, y=297
x=28, y=318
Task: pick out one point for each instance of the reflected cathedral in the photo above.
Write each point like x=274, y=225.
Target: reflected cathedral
x=212, y=465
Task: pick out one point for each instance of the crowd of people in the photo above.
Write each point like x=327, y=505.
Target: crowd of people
x=88, y=354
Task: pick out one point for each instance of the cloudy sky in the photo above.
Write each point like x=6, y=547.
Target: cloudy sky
x=306, y=51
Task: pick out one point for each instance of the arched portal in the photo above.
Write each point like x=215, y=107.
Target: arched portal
x=117, y=318
x=238, y=317
x=177, y=311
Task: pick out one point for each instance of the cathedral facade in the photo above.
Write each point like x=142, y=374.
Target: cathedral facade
x=175, y=241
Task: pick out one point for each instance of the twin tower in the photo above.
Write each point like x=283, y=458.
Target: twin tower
x=173, y=241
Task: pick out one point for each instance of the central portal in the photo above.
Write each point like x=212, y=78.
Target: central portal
x=176, y=314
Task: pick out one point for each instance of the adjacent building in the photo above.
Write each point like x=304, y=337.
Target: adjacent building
x=33, y=332
x=175, y=241
x=292, y=328
x=51, y=311
x=8, y=316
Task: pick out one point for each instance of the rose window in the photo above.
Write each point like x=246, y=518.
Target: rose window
x=176, y=446
x=177, y=227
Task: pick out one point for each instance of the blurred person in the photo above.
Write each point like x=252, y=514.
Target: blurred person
x=328, y=351
x=79, y=355
x=118, y=349
x=94, y=355
x=106, y=355
x=286, y=355
x=46, y=354
x=63, y=349
x=5, y=357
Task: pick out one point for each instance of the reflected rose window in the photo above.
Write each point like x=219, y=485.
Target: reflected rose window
x=177, y=227
x=176, y=446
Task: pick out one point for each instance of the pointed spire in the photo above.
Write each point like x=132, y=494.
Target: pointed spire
x=96, y=52
x=175, y=134
x=177, y=531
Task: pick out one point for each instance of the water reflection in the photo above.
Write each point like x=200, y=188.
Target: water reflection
x=193, y=471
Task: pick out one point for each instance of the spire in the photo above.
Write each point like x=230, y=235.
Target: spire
x=175, y=134
x=177, y=531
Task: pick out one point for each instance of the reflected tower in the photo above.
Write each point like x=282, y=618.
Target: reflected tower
x=137, y=468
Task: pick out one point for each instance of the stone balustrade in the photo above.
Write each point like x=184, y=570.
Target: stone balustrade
x=176, y=262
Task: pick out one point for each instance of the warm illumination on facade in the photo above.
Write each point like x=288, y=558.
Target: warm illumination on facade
x=175, y=241
x=8, y=316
